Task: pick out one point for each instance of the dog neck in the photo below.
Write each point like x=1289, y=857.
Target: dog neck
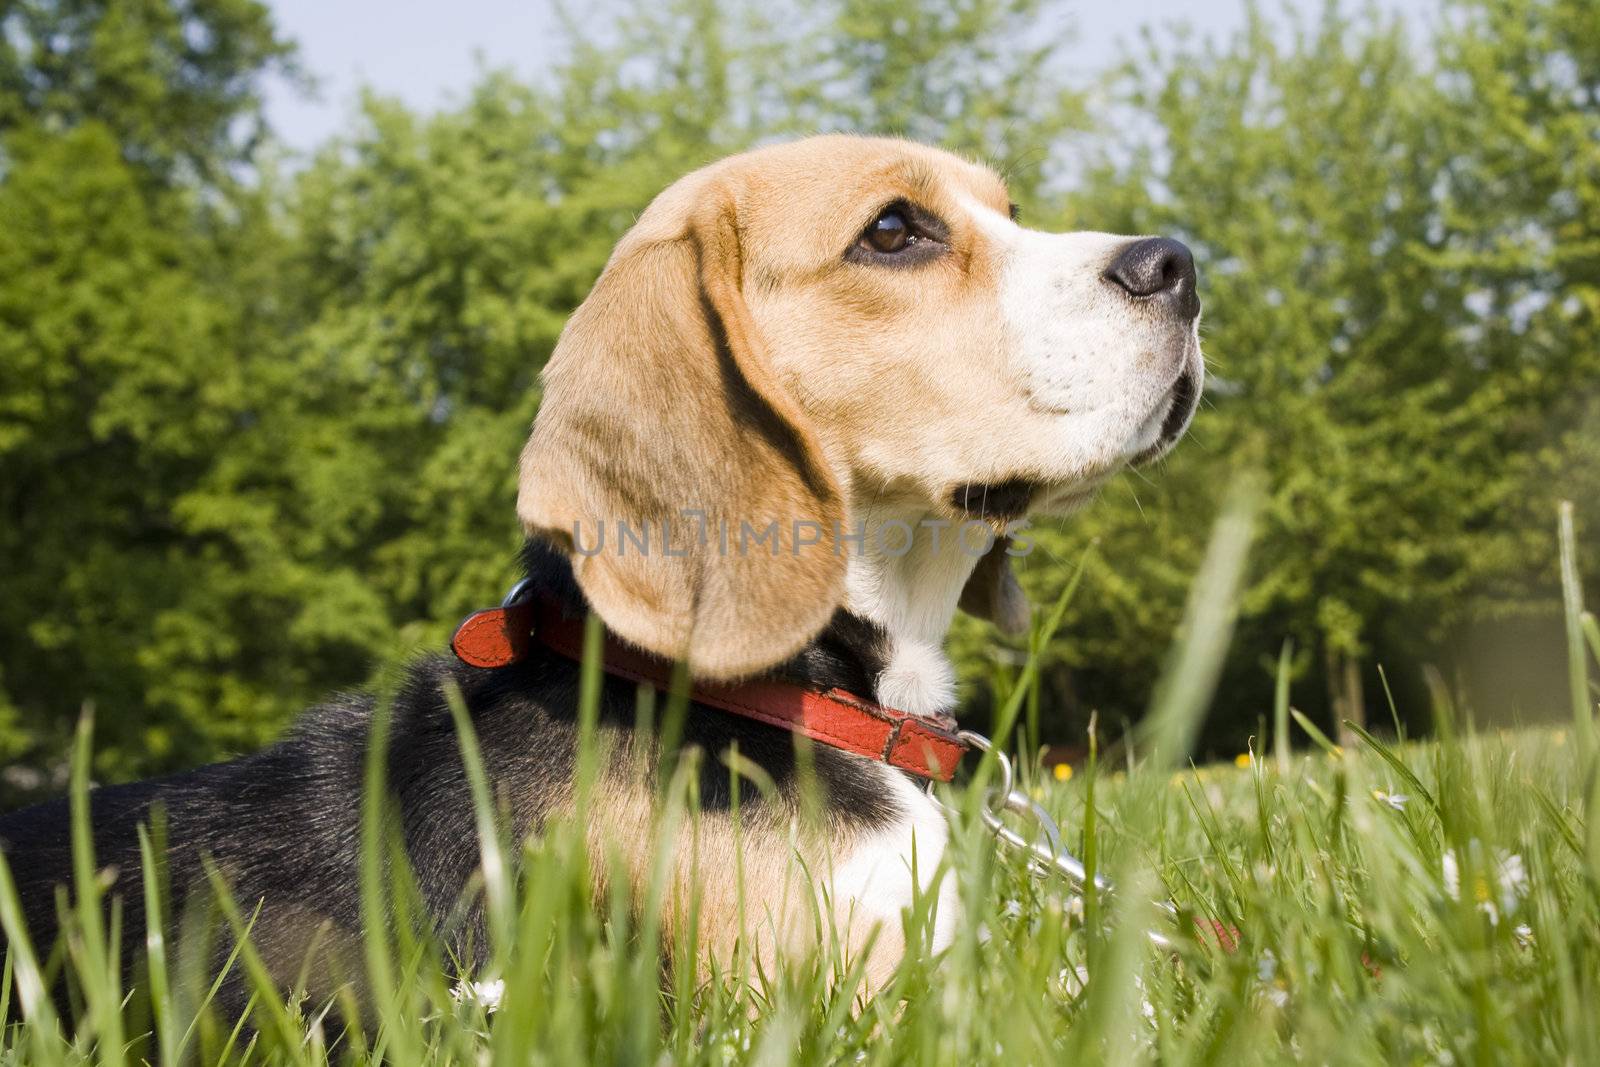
x=886, y=642
x=906, y=577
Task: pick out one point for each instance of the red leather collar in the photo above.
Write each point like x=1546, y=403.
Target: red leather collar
x=501, y=636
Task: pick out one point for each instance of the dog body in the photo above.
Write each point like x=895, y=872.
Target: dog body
x=283, y=826
x=803, y=378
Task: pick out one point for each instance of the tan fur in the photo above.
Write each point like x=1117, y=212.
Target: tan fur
x=729, y=360
x=749, y=885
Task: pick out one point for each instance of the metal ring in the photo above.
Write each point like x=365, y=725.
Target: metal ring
x=1007, y=780
x=1026, y=806
x=1049, y=855
x=973, y=739
x=995, y=801
x=518, y=593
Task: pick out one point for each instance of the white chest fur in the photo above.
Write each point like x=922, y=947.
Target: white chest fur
x=912, y=594
x=886, y=872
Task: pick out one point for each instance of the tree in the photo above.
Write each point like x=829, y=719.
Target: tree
x=1521, y=206
x=128, y=310
x=258, y=435
x=1361, y=356
x=176, y=83
x=979, y=77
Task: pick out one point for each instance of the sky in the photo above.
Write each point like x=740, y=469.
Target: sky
x=426, y=52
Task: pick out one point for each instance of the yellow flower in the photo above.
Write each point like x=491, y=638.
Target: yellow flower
x=1062, y=771
x=1242, y=760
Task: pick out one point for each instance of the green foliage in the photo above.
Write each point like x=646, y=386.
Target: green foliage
x=1397, y=262
x=1523, y=212
x=979, y=77
x=258, y=433
x=132, y=308
x=174, y=81
x=119, y=377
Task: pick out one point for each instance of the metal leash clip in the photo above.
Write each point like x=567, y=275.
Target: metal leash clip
x=1045, y=857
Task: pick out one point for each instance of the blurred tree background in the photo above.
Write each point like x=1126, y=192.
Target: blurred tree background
x=258, y=424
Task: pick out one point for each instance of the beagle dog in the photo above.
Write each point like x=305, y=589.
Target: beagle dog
x=804, y=376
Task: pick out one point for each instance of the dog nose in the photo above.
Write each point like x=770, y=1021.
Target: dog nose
x=1158, y=267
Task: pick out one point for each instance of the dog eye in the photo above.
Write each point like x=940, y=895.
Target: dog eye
x=889, y=233
x=903, y=235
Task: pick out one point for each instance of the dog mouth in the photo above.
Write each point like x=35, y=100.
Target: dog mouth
x=1003, y=500
x=1182, y=399
x=1015, y=497
x=1185, y=395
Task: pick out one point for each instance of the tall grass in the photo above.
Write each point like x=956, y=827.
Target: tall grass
x=1403, y=902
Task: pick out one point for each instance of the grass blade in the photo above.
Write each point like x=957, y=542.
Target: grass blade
x=32, y=994
x=498, y=885
x=93, y=955
x=1195, y=662
x=1321, y=739
x=1577, y=659
x=1280, y=708
x=155, y=944
x=1413, y=783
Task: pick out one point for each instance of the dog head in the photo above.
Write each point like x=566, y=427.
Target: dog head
x=791, y=334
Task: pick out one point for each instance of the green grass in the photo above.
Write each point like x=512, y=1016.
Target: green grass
x=1398, y=902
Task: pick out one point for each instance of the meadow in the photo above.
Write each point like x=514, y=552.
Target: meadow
x=1390, y=901
x=258, y=420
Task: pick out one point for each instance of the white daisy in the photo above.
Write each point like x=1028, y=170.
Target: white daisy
x=1498, y=888
x=487, y=993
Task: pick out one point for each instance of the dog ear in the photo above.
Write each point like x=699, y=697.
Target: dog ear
x=684, y=483
x=993, y=592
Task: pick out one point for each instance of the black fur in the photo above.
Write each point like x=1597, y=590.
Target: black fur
x=284, y=824
x=1005, y=500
